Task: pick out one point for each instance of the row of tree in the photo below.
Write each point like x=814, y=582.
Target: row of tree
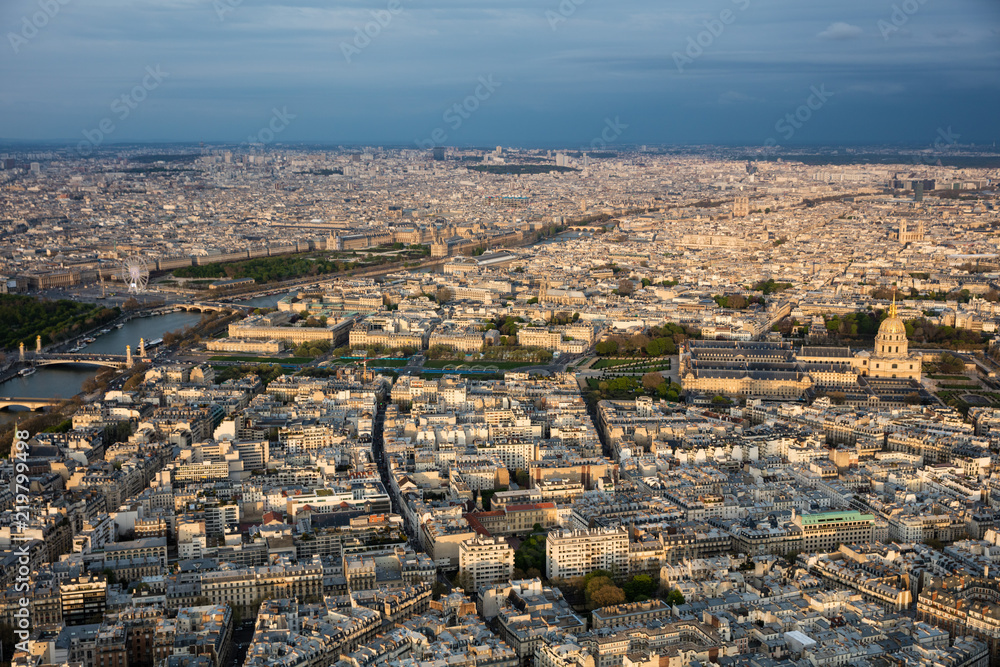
x=600, y=588
x=656, y=342
x=22, y=318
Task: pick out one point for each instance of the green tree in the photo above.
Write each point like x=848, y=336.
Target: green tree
x=675, y=598
x=531, y=553
x=606, y=348
x=640, y=587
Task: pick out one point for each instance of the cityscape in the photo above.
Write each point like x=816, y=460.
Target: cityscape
x=548, y=384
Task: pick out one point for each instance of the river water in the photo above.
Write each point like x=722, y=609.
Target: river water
x=64, y=381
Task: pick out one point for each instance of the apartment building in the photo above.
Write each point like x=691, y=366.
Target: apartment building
x=574, y=553
x=150, y=547
x=244, y=345
x=83, y=599
x=825, y=531
x=561, y=340
x=484, y=560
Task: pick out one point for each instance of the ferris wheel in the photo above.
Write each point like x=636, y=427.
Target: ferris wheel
x=135, y=274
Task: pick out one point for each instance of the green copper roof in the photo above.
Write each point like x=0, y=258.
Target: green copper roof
x=835, y=517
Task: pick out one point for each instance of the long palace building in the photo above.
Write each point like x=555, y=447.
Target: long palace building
x=778, y=370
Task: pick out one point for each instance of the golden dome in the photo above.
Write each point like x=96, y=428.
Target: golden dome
x=892, y=326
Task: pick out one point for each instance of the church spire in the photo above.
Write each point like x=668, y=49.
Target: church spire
x=892, y=308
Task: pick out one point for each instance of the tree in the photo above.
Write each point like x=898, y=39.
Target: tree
x=592, y=585
x=675, y=598
x=913, y=398
x=521, y=478
x=531, y=553
x=487, y=497
x=444, y=295
x=133, y=382
x=594, y=574
x=640, y=587
x=638, y=341
x=438, y=590
x=951, y=364
x=625, y=287
x=606, y=348
x=652, y=380
x=607, y=596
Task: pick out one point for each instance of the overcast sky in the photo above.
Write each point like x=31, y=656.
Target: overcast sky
x=557, y=73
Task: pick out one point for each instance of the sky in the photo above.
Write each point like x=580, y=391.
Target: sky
x=571, y=73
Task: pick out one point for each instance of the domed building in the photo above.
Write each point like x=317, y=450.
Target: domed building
x=778, y=371
x=891, y=357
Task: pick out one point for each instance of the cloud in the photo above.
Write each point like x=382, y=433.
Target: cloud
x=228, y=72
x=841, y=31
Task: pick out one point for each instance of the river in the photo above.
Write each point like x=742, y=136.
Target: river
x=65, y=381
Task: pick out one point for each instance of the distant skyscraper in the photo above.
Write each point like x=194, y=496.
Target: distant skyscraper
x=439, y=153
x=918, y=191
x=741, y=207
